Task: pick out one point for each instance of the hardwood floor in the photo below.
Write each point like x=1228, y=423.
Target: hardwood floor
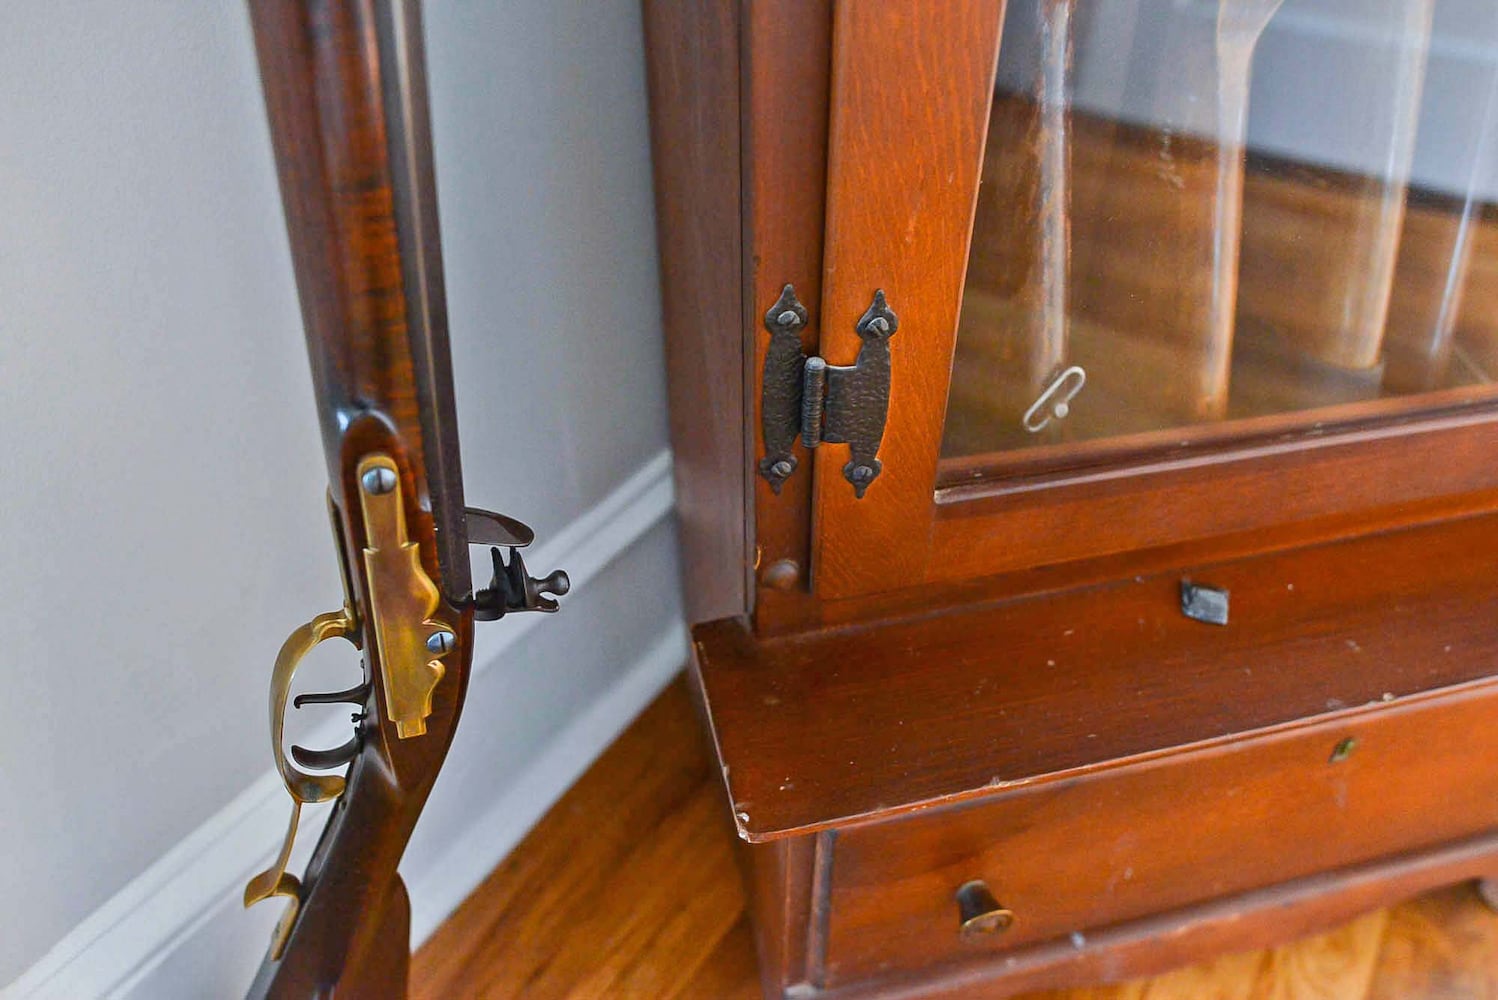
x=628, y=889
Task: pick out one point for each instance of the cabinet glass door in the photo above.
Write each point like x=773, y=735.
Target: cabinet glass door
x=1205, y=220
x=1176, y=279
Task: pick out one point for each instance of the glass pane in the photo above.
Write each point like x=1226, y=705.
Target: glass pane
x=1228, y=216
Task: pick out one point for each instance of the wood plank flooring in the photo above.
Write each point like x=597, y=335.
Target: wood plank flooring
x=628, y=889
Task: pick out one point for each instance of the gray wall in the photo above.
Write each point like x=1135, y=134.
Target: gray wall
x=158, y=450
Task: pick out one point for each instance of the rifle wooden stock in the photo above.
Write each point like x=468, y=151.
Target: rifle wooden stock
x=344, y=90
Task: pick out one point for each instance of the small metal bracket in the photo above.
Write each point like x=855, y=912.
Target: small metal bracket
x=825, y=404
x=780, y=394
x=1204, y=604
x=513, y=589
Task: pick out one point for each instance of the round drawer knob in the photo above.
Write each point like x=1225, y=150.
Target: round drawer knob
x=979, y=914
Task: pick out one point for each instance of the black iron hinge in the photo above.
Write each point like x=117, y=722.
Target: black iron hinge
x=824, y=404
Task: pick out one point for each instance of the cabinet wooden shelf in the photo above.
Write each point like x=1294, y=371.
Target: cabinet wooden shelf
x=841, y=725
x=977, y=668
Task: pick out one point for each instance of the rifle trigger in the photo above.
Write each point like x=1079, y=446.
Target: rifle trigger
x=356, y=695
x=326, y=760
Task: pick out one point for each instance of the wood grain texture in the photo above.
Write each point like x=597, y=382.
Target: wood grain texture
x=632, y=863
x=823, y=728
x=1151, y=947
x=1135, y=322
x=693, y=79
x=1117, y=846
x=1085, y=717
x=897, y=220
x=327, y=70
x=320, y=71
x=786, y=65
x=781, y=879
x=1115, y=480
x=532, y=929
x=1441, y=947
x=1371, y=473
x=911, y=86
x=764, y=127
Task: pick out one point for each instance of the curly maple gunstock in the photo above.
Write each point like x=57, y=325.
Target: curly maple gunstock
x=345, y=94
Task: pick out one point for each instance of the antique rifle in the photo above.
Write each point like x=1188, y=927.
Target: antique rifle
x=345, y=91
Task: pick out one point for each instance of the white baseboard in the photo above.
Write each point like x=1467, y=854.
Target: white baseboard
x=146, y=924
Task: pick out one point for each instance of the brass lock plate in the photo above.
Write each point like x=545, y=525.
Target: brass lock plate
x=408, y=640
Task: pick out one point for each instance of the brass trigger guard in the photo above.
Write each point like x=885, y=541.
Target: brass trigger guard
x=303, y=787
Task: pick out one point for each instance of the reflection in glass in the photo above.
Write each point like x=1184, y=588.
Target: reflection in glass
x=1320, y=245
x=1447, y=259
x=1225, y=209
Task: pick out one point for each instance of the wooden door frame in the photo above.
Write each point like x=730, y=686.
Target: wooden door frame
x=911, y=88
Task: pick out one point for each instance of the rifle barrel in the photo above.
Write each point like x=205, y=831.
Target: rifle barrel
x=408, y=134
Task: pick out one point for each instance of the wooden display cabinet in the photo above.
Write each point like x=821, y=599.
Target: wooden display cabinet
x=1203, y=658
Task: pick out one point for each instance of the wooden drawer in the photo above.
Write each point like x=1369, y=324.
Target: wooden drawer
x=1075, y=854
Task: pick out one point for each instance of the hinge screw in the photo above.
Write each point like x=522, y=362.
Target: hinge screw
x=861, y=474
x=379, y=480
x=787, y=318
x=441, y=642
x=782, y=468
